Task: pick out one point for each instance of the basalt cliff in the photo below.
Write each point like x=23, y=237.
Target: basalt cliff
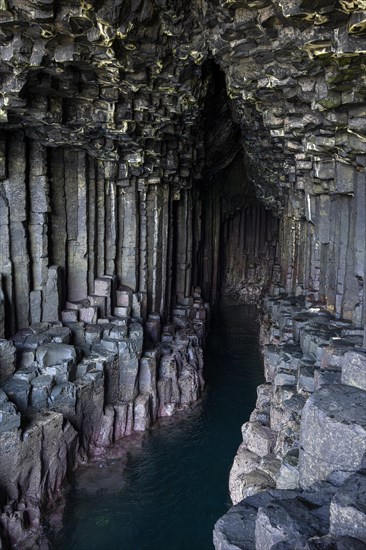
x=157, y=156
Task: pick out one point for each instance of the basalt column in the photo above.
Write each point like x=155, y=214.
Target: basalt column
x=150, y=148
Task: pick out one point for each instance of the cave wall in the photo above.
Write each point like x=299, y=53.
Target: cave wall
x=294, y=77
x=98, y=140
x=63, y=207
x=149, y=147
x=102, y=109
x=238, y=260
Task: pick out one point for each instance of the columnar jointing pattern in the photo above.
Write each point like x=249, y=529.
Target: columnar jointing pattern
x=149, y=148
x=66, y=211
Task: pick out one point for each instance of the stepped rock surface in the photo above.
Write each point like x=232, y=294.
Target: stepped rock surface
x=298, y=479
x=157, y=156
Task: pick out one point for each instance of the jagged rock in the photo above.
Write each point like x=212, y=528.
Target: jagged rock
x=148, y=381
x=288, y=474
x=9, y=417
x=347, y=509
x=7, y=360
x=141, y=415
x=106, y=433
x=48, y=355
x=326, y=378
x=354, y=369
x=333, y=433
x=189, y=385
x=88, y=314
x=62, y=398
x=52, y=295
x=258, y=439
x=41, y=391
x=18, y=391
x=305, y=378
x=252, y=483
x=331, y=424
x=245, y=461
x=287, y=522
x=272, y=517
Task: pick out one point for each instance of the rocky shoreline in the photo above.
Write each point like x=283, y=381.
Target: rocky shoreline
x=298, y=480
x=70, y=389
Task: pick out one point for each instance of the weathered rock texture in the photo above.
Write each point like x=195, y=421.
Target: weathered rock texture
x=102, y=131
x=149, y=147
x=65, y=403
x=298, y=479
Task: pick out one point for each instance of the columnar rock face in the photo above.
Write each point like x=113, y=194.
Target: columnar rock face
x=104, y=140
x=298, y=478
x=64, y=403
x=149, y=148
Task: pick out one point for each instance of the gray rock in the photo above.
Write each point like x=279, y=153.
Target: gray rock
x=148, y=381
x=52, y=295
x=142, y=418
x=333, y=433
x=305, y=378
x=258, y=439
x=189, y=385
x=7, y=360
x=41, y=390
x=288, y=522
x=354, y=369
x=18, y=391
x=284, y=379
x=237, y=528
x=254, y=482
x=9, y=417
x=326, y=377
x=62, y=398
x=52, y=354
x=244, y=462
x=348, y=509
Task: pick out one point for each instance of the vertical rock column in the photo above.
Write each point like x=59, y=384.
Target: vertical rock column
x=38, y=228
x=77, y=229
x=324, y=254
x=15, y=188
x=6, y=268
x=130, y=237
x=183, y=244
x=157, y=242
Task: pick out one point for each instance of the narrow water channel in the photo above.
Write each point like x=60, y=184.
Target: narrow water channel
x=172, y=485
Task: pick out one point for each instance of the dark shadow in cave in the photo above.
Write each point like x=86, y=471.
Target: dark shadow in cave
x=238, y=249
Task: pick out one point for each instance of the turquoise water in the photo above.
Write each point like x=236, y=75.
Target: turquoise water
x=171, y=485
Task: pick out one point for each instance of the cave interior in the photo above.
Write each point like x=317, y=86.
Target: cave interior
x=158, y=157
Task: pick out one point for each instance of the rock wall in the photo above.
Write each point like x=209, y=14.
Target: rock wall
x=149, y=147
x=293, y=74
x=238, y=259
x=107, y=119
x=72, y=220
x=298, y=479
x=71, y=389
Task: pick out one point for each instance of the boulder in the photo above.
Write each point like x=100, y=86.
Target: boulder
x=7, y=360
x=348, y=508
x=354, y=369
x=258, y=439
x=333, y=433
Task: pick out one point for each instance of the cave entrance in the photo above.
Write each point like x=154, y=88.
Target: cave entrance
x=238, y=247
